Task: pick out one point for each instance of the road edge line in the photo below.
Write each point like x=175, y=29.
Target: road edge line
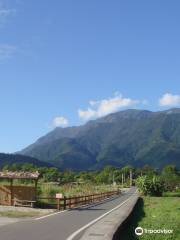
x=49, y=215
x=97, y=219
x=82, y=206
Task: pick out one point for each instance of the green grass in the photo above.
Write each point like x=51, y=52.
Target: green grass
x=68, y=190
x=19, y=214
x=49, y=190
x=171, y=194
x=154, y=213
x=17, y=182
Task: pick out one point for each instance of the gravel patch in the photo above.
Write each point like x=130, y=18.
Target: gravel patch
x=25, y=209
x=9, y=220
x=6, y=220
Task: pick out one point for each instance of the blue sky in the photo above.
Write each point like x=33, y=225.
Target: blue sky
x=65, y=62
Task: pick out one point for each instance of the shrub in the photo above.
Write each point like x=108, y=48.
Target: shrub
x=171, y=178
x=150, y=185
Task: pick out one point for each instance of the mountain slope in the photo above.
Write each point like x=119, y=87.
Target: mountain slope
x=135, y=137
x=9, y=159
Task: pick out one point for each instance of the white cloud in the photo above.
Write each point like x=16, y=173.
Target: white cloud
x=5, y=13
x=169, y=100
x=7, y=51
x=60, y=122
x=106, y=106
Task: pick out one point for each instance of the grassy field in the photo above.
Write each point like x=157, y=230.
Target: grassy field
x=72, y=190
x=171, y=194
x=154, y=213
x=49, y=190
x=68, y=190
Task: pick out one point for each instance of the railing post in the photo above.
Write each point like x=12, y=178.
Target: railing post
x=58, y=203
x=64, y=203
x=70, y=203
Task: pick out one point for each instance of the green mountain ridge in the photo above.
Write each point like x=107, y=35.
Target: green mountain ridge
x=135, y=137
x=9, y=159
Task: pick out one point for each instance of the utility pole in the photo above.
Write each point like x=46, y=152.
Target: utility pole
x=113, y=179
x=130, y=177
x=122, y=179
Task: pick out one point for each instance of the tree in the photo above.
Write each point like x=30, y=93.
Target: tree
x=147, y=170
x=68, y=177
x=105, y=176
x=171, y=177
x=150, y=185
x=51, y=175
x=169, y=170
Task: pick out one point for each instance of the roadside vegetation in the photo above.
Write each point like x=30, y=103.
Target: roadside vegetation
x=70, y=183
x=154, y=213
x=149, y=181
x=158, y=207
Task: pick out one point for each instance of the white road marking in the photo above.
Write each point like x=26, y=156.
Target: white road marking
x=83, y=206
x=52, y=214
x=97, y=219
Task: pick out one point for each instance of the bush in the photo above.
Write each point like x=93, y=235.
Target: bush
x=171, y=178
x=150, y=185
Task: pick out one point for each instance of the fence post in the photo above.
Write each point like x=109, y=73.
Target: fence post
x=58, y=203
x=85, y=200
x=64, y=203
x=70, y=203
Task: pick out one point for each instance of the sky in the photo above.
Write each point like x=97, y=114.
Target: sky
x=63, y=63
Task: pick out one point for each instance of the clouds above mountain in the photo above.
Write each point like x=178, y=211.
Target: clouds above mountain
x=60, y=122
x=169, y=100
x=106, y=106
x=117, y=102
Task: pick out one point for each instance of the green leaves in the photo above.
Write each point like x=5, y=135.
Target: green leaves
x=150, y=185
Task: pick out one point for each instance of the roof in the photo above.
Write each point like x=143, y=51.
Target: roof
x=19, y=175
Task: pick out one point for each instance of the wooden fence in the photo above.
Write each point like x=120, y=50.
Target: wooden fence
x=8, y=194
x=71, y=202
x=5, y=196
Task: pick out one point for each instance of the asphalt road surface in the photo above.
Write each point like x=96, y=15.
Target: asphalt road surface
x=62, y=225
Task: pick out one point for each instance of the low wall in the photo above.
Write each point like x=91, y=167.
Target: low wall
x=107, y=227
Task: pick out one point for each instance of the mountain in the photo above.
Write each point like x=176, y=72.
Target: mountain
x=9, y=159
x=135, y=137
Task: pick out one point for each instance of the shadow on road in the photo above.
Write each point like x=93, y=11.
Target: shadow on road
x=126, y=232
x=91, y=209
